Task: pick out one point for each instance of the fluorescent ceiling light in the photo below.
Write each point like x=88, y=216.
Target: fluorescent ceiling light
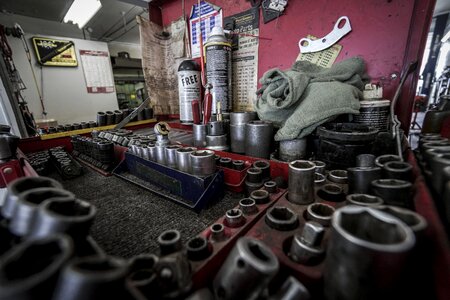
x=81, y=11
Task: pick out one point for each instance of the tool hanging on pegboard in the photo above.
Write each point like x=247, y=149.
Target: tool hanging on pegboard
x=273, y=9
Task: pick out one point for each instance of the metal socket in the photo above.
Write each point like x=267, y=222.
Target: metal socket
x=169, y=242
x=290, y=150
x=238, y=165
x=110, y=118
x=203, y=163
x=416, y=222
x=258, y=139
x=301, y=182
x=27, y=206
x=281, y=218
x=319, y=179
x=199, y=132
x=320, y=166
x=161, y=154
x=320, y=213
x=237, y=138
x=234, y=218
x=382, y=159
x=21, y=185
x=242, y=117
x=216, y=128
x=437, y=165
x=360, y=179
x=364, y=200
x=71, y=217
x=254, y=175
x=270, y=186
x=305, y=247
x=198, y=248
x=217, y=142
x=398, y=170
x=338, y=176
x=184, y=159
x=246, y=272
x=171, y=156
x=264, y=166
x=248, y=206
x=218, y=233
x=226, y=162
x=362, y=240
x=365, y=160
x=331, y=192
x=260, y=196
x=393, y=192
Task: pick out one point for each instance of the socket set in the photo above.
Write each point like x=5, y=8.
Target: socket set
x=96, y=152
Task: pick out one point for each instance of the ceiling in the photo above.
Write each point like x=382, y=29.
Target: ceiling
x=115, y=21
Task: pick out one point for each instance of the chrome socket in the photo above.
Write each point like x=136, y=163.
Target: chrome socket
x=216, y=128
x=160, y=154
x=416, y=222
x=362, y=240
x=198, y=248
x=238, y=165
x=184, y=159
x=203, y=163
x=281, y=218
x=199, y=132
x=331, y=192
x=217, y=142
x=306, y=248
x=234, y=218
x=382, y=159
x=360, y=179
x=246, y=272
x=393, y=192
x=301, y=182
x=260, y=196
x=169, y=242
x=171, y=156
x=320, y=166
x=152, y=152
x=258, y=139
x=338, y=176
x=270, y=186
x=290, y=150
x=364, y=200
x=218, y=233
x=398, y=170
x=264, y=166
x=320, y=213
x=365, y=160
x=248, y=206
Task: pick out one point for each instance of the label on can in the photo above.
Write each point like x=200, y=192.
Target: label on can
x=374, y=113
x=189, y=83
x=218, y=73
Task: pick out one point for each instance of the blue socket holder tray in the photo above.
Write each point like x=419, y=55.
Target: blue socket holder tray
x=191, y=191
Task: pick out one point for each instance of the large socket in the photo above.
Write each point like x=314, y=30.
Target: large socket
x=237, y=130
x=258, y=139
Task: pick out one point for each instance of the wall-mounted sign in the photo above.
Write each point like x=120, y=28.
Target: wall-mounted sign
x=97, y=71
x=56, y=53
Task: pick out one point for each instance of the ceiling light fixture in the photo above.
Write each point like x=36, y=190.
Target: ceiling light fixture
x=81, y=11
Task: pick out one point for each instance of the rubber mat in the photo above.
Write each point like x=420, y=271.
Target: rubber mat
x=129, y=218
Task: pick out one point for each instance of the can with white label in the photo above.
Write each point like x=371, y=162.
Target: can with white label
x=218, y=69
x=374, y=113
x=189, y=88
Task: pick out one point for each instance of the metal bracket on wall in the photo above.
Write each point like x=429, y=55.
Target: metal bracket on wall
x=341, y=28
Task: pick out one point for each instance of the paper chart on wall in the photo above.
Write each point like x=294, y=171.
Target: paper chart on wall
x=97, y=71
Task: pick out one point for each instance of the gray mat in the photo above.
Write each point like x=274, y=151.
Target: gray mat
x=129, y=218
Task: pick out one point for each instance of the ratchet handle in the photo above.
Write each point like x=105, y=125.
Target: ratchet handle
x=195, y=111
x=207, y=108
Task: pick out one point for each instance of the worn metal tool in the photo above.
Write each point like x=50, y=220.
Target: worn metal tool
x=133, y=114
x=306, y=247
x=258, y=139
x=281, y=218
x=369, y=250
x=395, y=123
x=202, y=162
x=246, y=272
x=301, y=182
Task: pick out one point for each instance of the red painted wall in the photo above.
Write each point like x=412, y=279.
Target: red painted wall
x=387, y=34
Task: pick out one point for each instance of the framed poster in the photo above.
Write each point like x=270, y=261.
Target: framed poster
x=55, y=53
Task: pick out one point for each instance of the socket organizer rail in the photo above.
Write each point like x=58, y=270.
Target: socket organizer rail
x=191, y=191
x=205, y=269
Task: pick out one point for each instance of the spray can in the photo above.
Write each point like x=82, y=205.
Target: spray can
x=218, y=69
x=189, y=88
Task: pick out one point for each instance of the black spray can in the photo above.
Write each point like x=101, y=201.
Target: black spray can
x=189, y=88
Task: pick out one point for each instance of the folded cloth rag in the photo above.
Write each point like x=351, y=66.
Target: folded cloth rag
x=306, y=96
